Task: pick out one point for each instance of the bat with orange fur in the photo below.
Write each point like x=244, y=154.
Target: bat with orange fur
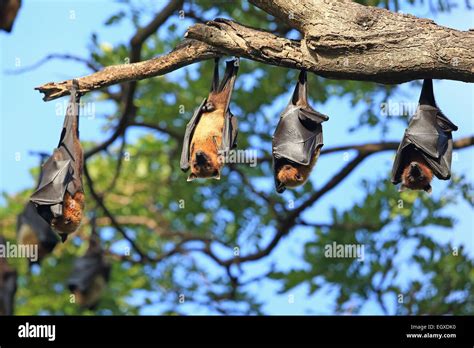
x=426, y=148
x=59, y=197
x=297, y=140
x=8, y=11
x=212, y=131
x=8, y=281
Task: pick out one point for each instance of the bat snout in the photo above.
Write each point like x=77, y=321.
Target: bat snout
x=280, y=187
x=415, y=169
x=201, y=158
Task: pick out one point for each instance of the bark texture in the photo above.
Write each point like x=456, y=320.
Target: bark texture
x=340, y=40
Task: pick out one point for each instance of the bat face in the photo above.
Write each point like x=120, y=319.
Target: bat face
x=212, y=130
x=417, y=176
x=205, y=162
x=8, y=12
x=73, y=208
x=294, y=174
x=290, y=175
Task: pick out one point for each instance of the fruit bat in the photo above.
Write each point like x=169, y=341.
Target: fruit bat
x=297, y=140
x=427, y=146
x=59, y=197
x=31, y=228
x=8, y=278
x=90, y=275
x=8, y=12
x=212, y=131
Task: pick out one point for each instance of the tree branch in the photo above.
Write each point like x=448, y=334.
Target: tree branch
x=190, y=51
x=114, y=222
x=347, y=40
x=286, y=223
x=342, y=40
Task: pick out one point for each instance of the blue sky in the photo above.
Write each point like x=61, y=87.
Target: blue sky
x=23, y=115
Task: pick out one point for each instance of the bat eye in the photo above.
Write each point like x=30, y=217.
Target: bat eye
x=209, y=107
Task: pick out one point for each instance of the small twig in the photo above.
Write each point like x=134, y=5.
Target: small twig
x=114, y=222
x=50, y=57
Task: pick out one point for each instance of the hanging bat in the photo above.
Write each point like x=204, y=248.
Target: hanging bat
x=90, y=275
x=426, y=148
x=8, y=277
x=33, y=230
x=8, y=12
x=297, y=140
x=59, y=197
x=212, y=131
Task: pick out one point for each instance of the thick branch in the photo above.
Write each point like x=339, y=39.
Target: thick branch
x=190, y=51
x=342, y=40
x=347, y=40
x=394, y=55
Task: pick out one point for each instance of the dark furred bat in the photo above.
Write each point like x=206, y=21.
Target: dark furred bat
x=8, y=278
x=59, y=197
x=212, y=131
x=427, y=146
x=33, y=230
x=8, y=12
x=297, y=140
x=90, y=275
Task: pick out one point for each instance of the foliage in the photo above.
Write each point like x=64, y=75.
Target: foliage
x=158, y=208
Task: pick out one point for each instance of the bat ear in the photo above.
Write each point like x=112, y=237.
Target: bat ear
x=428, y=188
x=63, y=237
x=402, y=188
x=192, y=177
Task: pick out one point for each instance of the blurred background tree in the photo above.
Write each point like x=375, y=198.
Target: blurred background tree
x=212, y=246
